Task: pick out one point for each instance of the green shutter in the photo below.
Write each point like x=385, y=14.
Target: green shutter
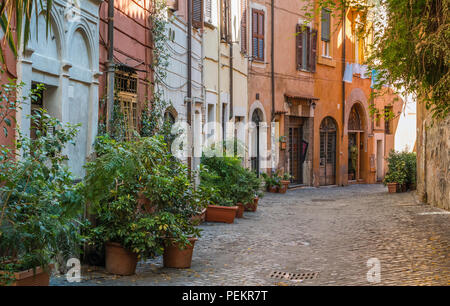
x=325, y=25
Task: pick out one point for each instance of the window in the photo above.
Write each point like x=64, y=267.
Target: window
x=244, y=26
x=208, y=11
x=126, y=88
x=325, y=32
x=225, y=29
x=197, y=13
x=258, y=35
x=388, y=111
x=306, y=43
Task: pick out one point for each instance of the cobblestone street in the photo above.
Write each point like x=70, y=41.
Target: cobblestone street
x=332, y=231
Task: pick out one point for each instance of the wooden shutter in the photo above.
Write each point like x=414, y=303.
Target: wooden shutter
x=299, y=46
x=308, y=48
x=312, y=62
x=208, y=11
x=197, y=13
x=325, y=27
x=258, y=35
x=244, y=26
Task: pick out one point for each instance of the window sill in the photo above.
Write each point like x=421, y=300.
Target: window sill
x=327, y=61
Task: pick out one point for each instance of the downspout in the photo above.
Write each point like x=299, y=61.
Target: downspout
x=110, y=71
x=189, y=82
x=231, y=71
x=272, y=56
x=343, y=71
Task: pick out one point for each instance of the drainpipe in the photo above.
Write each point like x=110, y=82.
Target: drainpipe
x=272, y=56
x=343, y=71
x=231, y=71
x=110, y=72
x=189, y=82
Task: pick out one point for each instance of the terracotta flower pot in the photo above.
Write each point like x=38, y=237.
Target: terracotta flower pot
x=252, y=206
x=200, y=218
x=393, y=187
x=29, y=277
x=225, y=214
x=177, y=257
x=240, y=211
x=284, y=186
x=119, y=260
x=273, y=189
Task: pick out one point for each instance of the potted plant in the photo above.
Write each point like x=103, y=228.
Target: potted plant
x=411, y=166
x=116, y=182
x=39, y=204
x=285, y=181
x=222, y=174
x=273, y=183
x=179, y=237
x=396, y=175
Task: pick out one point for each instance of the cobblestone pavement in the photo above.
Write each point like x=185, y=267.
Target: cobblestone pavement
x=332, y=231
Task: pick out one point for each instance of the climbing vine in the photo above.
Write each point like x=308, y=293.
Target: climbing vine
x=153, y=120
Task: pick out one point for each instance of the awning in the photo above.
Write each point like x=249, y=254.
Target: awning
x=300, y=97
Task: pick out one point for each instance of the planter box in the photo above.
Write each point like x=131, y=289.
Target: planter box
x=240, y=211
x=252, y=206
x=119, y=260
x=39, y=277
x=225, y=214
x=284, y=186
x=176, y=257
x=393, y=187
x=200, y=218
x=272, y=189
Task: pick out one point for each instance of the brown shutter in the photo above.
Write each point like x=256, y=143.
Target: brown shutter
x=308, y=48
x=312, y=66
x=244, y=26
x=299, y=46
x=258, y=35
x=197, y=13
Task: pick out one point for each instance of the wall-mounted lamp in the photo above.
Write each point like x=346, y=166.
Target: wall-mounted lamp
x=313, y=104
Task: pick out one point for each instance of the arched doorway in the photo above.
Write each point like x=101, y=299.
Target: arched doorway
x=328, y=133
x=257, y=118
x=355, y=143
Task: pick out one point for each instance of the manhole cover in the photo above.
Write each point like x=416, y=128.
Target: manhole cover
x=294, y=276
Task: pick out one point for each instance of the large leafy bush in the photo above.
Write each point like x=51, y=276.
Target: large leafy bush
x=40, y=205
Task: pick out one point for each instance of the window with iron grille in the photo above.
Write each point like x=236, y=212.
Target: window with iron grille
x=126, y=95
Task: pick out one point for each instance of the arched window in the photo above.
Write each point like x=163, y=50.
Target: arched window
x=354, y=120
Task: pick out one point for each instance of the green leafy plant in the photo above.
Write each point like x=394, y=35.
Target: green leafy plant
x=232, y=182
x=272, y=181
x=125, y=174
x=397, y=168
x=40, y=205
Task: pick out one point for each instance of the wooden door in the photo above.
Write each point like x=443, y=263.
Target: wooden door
x=327, y=166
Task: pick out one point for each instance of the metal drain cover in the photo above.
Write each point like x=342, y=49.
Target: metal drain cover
x=294, y=276
x=323, y=200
